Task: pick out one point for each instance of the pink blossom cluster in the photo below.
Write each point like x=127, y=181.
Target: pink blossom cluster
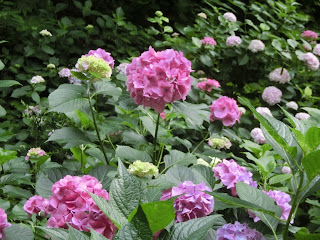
x=233, y=41
x=100, y=53
x=206, y=84
x=272, y=95
x=71, y=204
x=293, y=105
x=263, y=111
x=66, y=72
x=282, y=200
x=157, y=78
x=309, y=34
x=238, y=231
x=316, y=50
x=229, y=16
x=256, y=46
x=302, y=116
x=258, y=136
x=311, y=61
x=3, y=223
x=122, y=68
x=35, y=153
x=193, y=203
x=226, y=110
x=229, y=172
x=280, y=75
x=208, y=41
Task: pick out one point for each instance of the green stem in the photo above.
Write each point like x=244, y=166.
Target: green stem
x=160, y=156
x=109, y=139
x=200, y=143
x=155, y=140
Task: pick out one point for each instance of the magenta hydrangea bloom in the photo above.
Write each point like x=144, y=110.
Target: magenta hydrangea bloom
x=3, y=223
x=316, y=50
x=157, y=78
x=226, y=110
x=229, y=172
x=272, y=95
x=258, y=136
x=194, y=203
x=309, y=34
x=238, y=231
x=208, y=41
x=206, y=84
x=233, y=41
x=311, y=61
x=100, y=53
x=35, y=205
x=280, y=75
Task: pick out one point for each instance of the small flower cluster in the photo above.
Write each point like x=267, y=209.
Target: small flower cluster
x=311, y=61
x=143, y=169
x=157, y=78
x=316, y=50
x=256, y=46
x=3, y=223
x=91, y=63
x=219, y=143
x=202, y=15
x=308, y=34
x=51, y=66
x=35, y=153
x=100, y=53
x=45, y=33
x=226, y=110
x=37, y=79
x=238, y=231
x=280, y=75
x=263, y=111
x=230, y=17
x=258, y=136
x=66, y=72
x=229, y=172
x=293, y=105
x=36, y=204
x=233, y=41
x=194, y=203
x=122, y=68
x=208, y=41
x=32, y=109
x=213, y=163
x=302, y=116
x=206, y=84
x=272, y=95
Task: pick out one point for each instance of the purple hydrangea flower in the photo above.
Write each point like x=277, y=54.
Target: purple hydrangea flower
x=238, y=231
x=3, y=223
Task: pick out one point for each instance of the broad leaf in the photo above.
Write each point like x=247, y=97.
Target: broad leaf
x=19, y=231
x=312, y=137
x=16, y=192
x=311, y=164
x=131, y=154
x=312, y=187
x=76, y=234
x=105, y=174
x=55, y=233
x=106, y=88
x=176, y=157
x=178, y=174
x=96, y=236
x=8, y=83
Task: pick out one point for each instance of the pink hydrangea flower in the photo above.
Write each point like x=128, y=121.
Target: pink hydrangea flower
x=226, y=110
x=238, y=231
x=263, y=111
x=309, y=34
x=194, y=203
x=35, y=205
x=208, y=41
x=258, y=136
x=122, y=68
x=302, y=116
x=282, y=200
x=229, y=172
x=229, y=16
x=286, y=170
x=35, y=153
x=316, y=50
x=3, y=223
x=206, y=84
x=272, y=95
x=100, y=53
x=293, y=105
x=157, y=78
x=256, y=46
x=233, y=41
x=163, y=115
x=280, y=75
x=311, y=61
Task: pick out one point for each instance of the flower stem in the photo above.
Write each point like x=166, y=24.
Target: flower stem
x=200, y=143
x=155, y=140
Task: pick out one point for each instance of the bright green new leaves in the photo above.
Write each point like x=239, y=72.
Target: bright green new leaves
x=19, y=231
x=8, y=83
x=311, y=164
x=312, y=137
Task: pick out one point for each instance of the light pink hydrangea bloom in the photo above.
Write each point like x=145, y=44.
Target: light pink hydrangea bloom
x=35, y=205
x=100, y=53
x=263, y=111
x=256, y=46
x=35, y=153
x=309, y=34
x=238, y=231
x=311, y=61
x=3, y=223
x=258, y=136
x=233, y=41
x=194, y=203
x=65, y=72
x=316, y=50
x=229, y=172
x=302, y=116
x=280, y=75
x=202, y=15
x=226, y=110
x=229, y=16
x=286, y=170
x=208, y=41
x=163, y=115
x=272, y=95
x=293, y=105
x=206, y=84
x=157, y=78
x=122, y=68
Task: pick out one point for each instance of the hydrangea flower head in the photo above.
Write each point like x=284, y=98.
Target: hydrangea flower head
x=272, y=95
x=202, y=15
x=45, y=33
x=238, y=231
x=233, y=41
x=51, y=66
x=280, y=75
x=302, y=116
x=309, y=34
x=263, y=111
x=89, y=27
x=226, y=110
x=286, y=170
x=194, y=203
x=35, y=153
x=229, y=172
x=100, y=53
x=122, y=68
x=219, y=143
x=3, y=223
x=37, y=79
x=65, y=72
x=94, y=64
x=208, y=41
x=293, y=105
x=157, y=78
x=242, y=110
x=311, y=61
x=143, y=169
x=206, y=84
x=256, y=46
x=229, y=16
x=36, y=204
x=258, y=136
x=316, y=50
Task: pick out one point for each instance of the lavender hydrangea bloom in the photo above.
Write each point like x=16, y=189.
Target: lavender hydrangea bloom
x=194, y=203
x=272, y=95
x=238, y=231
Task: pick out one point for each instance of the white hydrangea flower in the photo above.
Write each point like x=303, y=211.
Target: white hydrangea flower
x=280, y=75
x=202, y=15
x=45, y=33
x=302, y=116
x=256, y=46
x=230, y=17
x=37, y=79
x=293, y=105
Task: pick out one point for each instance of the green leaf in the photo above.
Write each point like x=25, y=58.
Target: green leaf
x=178, y=174
x=205, y=173
x=47, y=49
x=105, y=174
x=176, y=157
x=254, y=195
x=266, y=164
x=150, y=125
x=5, y=135
x=311, y=164
x=35, y=97
x=8, y=83
x=16, y=192
x=276, y=44
x=313, y=112
x=243, y=60
x=1, y=65
x=6, y=155
x=168, y=29
x=67, y=98
x=19, y=231
x=107, y=88
x=293, y=43
x=297, y=124
x=206, y=60
x=312, y=138
x=311, y=188
x=159, y=214
x=76, y=234
x=279, y=178
x=69, y=136
x=131, y=154
x=55, y=233
x=196, y=41
x=96, y=236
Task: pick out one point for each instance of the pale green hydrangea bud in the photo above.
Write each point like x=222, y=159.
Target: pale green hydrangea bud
x=94, y=64
x=214, y=161
x=51, y=65
x=88, y=27
x=200, y=161
x=143, y=169
x=219, y=143
x=242, y=110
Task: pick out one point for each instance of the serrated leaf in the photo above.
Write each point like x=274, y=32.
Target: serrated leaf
x=206, y=60
x=276, y=44
x=96, y=236
x=131, y=154
x=55, y=233
x=312, y=137
x=107, y=88
x=8, y=83
x=105, y=174
x=19, y=231
x=16, y=192
x=76, y=234
x=205, y=173
x=279, y=178
x=178, y=174
x=311, y=164
x=176, y=157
